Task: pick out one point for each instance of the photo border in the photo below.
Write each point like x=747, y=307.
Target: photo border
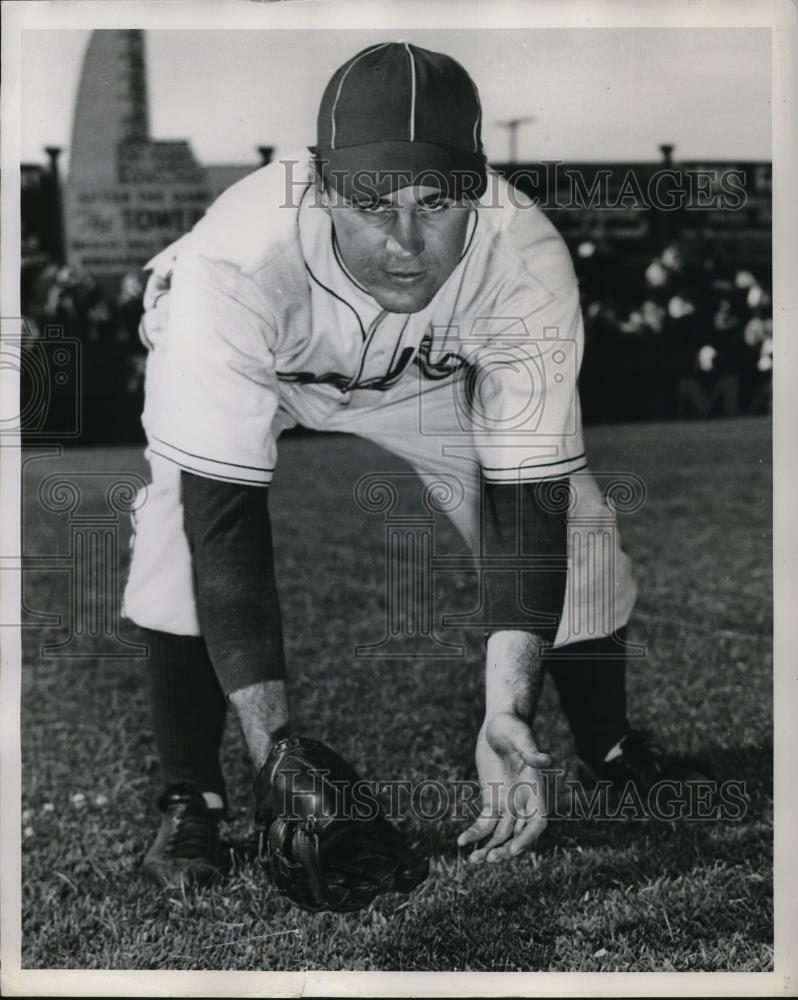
x=782, y=17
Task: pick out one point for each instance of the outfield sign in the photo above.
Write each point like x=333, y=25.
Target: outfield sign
x=117, y=230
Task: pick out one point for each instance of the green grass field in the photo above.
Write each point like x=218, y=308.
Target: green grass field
x=649, y=896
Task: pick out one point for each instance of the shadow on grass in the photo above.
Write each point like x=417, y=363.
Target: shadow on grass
x=744, y=810
x=738, y=815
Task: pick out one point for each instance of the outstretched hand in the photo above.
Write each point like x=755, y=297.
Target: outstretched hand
x=513, y=813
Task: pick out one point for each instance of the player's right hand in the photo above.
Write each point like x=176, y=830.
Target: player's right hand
x=513, y=813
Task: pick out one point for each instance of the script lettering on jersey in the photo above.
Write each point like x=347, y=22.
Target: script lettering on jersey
x=379, y=383
x=444, y=367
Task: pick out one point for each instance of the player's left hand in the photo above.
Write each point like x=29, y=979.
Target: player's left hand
x=513, y=813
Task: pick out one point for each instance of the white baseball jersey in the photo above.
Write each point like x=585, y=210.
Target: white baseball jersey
x=263, y=314
x=257, y=325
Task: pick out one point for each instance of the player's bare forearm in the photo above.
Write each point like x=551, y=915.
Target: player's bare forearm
x=264, y=717
x=513, y=813
x=513, y=674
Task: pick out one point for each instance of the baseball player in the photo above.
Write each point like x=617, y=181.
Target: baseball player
x=395, y=288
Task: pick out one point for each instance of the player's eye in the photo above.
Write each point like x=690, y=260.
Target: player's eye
x=371, y=207
x=436, y=205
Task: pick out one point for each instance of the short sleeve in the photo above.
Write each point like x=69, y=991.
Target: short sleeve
x=212, y=395
x=526, y=420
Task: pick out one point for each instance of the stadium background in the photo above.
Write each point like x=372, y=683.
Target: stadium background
x=677, y=303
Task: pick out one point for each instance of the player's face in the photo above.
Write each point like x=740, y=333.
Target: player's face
x=403, y=247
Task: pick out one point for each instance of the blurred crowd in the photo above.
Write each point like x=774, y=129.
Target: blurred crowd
x=105, y=325
x=679, y=322
x=673, y=335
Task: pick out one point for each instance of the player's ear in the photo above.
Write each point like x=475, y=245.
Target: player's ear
x=322, y=197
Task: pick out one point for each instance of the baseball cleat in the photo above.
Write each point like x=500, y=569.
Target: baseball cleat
x=186, y=849
x=637, y=760
x=638, y=781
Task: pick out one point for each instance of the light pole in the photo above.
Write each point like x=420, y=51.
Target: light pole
x=56, y=229
x=512, y=125
x=266, y=153
x=666, y=226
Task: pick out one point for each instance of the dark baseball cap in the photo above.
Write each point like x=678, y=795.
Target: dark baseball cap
x=396, y=115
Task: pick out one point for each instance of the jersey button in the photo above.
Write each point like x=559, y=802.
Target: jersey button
x=346, y=398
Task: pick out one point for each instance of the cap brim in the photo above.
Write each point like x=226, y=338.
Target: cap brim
x=377, y=169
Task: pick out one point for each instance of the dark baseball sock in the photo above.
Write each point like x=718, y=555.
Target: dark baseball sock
x=188, y=711
x=590, y=678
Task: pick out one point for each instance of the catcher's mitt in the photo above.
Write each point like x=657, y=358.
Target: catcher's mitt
x=327, y=848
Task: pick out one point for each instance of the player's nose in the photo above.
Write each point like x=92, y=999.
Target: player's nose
x=405, y=238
